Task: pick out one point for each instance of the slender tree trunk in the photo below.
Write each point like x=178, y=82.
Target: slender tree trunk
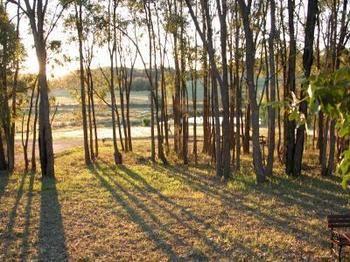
x=250, y=61
x=324, y=149
x=184, y=97
x=225, y=97
x=25, y=142
x=79, y=26
x=14, y=100
x=238, y=92
x=90, y=116
x=332, y=139
x=307, y=64
x=3, y=164
x=272, y=91
x=45, y=132
x=117, y=155
x=290, y=125
x=33, y=159
x=246, y=136
x=93, y=113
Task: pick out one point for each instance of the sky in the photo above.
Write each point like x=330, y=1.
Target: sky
x=68, y=48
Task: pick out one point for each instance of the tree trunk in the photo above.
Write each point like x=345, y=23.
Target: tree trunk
x=225, y=97
x=289, y=127
x=272, y=91
x=79, y=26
x=250, y=61
x=3, y=164
x=33, y=159
x=307, y=64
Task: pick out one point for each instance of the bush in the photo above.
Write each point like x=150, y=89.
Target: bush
x=146, y=122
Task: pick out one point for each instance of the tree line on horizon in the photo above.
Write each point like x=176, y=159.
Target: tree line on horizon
x=226, y=45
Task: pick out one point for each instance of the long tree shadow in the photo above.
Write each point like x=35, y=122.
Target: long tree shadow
x=186, y=215
x=319, y=196
x=308, y=192
x=52, y=242
x=136, y=217
x=233, y=201
x=199, y=222
x=28, y=209
x=9, y=236
x=282, y=221
x=165, y=207
x=4, y=180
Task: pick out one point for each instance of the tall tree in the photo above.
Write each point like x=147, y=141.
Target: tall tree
x=42, y=25
x=272, y=90
x=78, y=6
x=250, y=62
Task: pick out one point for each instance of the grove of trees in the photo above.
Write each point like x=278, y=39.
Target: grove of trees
x=252, y=59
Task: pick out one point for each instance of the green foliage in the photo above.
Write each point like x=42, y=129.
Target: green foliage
x=146, y=122
x=330, y=93
x=10, y=47
x=140, y=84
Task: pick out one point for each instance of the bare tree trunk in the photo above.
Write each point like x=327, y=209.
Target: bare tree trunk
x=33, y=159
x=272, y=91
x=332, y=139
x=117, y=155
x=14, y=100
x=246, y=136
x=289, y=127
x=238, y=92
x=25, y=142
x=79, y=26
x=194, y=102
x=3, y=164
x=90, y=117
x=250, y=61
x=225, y=97
x=184, y=97
x=93, y=113
x=161, y=153
x=307, y=64
x=324, y=149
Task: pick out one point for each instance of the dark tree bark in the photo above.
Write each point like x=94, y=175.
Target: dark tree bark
x=27, y=131
x=289, y=126
x=3, y=164
x=272, y=91
x=224, y=88
x=36, y=113
x=79, y=27
x=112, y=51
x=307, y=64
x=238, y=93
x=250, y=61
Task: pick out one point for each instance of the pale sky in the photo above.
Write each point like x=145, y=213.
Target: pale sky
x=69, y=49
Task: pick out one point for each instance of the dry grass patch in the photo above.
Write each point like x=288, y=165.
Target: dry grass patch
x=144, y=211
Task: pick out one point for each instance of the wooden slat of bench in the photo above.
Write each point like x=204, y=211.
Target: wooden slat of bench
x=338, y=221
x=338, y=216
x=338, y=225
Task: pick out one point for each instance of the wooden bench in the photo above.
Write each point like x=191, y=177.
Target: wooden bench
x=339, y=236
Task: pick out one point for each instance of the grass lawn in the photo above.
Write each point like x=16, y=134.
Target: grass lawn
x=144, y=211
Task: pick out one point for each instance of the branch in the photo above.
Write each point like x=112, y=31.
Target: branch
x=19, y=5
x=55, y=21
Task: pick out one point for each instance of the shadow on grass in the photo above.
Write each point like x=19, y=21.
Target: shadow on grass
x=4, y=180
x=169, y=206
x=151, y=204
x=314, y=196
x=27, y=216
x=9, y=234
x=52, y=243
x=135, y=216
